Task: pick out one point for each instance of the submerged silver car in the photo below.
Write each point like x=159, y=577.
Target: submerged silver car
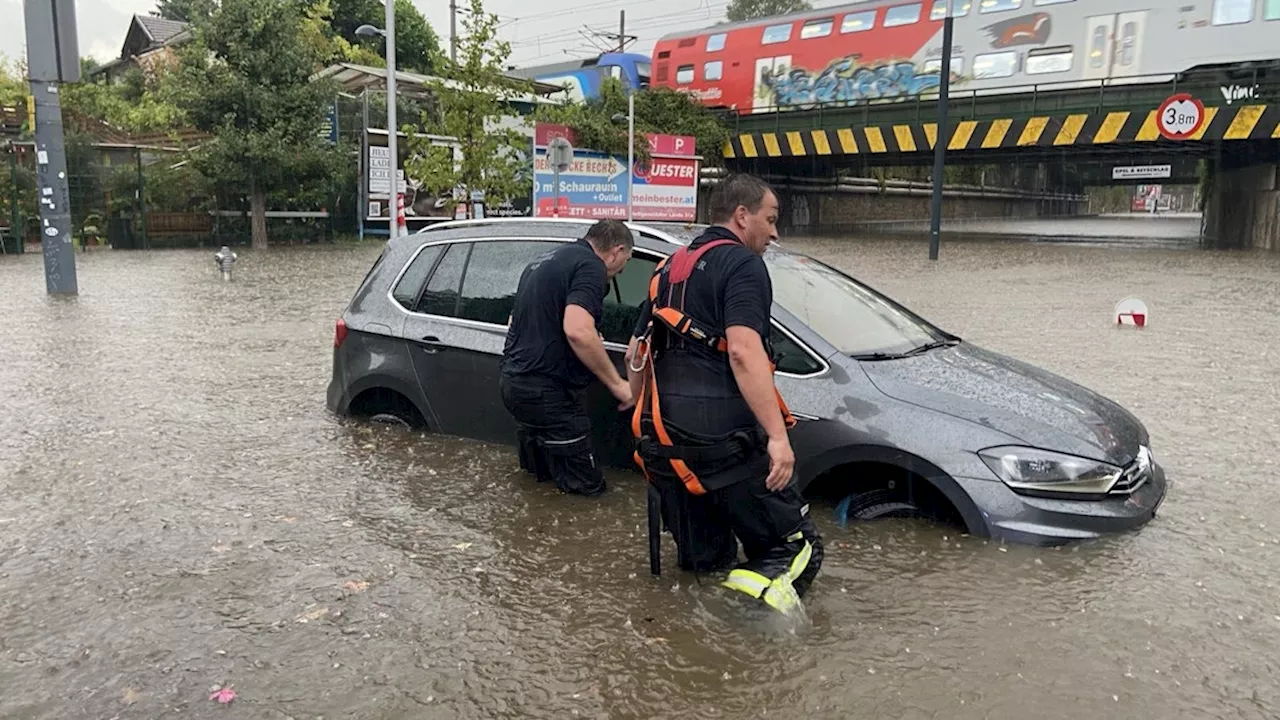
x=897, y=417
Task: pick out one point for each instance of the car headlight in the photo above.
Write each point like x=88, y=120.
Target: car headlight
x=1035, y=470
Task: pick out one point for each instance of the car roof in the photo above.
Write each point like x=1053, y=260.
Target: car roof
x=663, y=237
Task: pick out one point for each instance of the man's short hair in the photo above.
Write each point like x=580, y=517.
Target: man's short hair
x=606, y=235
x=745, y=190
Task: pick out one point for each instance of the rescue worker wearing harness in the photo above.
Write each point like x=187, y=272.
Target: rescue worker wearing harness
x=710, y=426
x=552, y=352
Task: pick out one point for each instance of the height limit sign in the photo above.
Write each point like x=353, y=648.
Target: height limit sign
x=1180, y=117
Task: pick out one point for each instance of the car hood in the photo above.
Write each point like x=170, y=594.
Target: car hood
x=1035, y=406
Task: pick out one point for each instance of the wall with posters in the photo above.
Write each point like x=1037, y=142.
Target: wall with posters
x=596, y=185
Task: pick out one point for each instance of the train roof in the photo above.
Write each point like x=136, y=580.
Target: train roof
x=568, y=65
x=822, y=12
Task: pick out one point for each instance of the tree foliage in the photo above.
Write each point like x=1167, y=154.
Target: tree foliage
x=137, y=104
x=469, y=107
x=417, y=45
x=185, y=10
x=658, y=110
x=740, y=10
x=246, y=80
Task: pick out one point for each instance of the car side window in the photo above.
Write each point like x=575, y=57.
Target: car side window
x=623, y=297
x=493, y=275
x=789, y=356
x=441, y=297
x=406, y=291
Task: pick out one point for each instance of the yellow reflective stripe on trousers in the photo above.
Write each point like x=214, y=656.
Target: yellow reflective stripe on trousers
x=747, y=581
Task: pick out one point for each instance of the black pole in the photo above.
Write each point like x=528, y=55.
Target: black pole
x=940, y=145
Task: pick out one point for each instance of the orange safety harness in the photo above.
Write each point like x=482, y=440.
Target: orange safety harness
x=673, y=318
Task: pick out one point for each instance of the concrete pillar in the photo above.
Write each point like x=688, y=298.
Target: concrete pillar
x=1243, y=212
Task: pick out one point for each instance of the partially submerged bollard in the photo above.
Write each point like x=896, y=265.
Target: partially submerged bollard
x=225, y=259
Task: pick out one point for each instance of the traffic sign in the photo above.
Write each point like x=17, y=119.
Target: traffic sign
x=560, y=154
x=1133, y=312
x=1180, y=116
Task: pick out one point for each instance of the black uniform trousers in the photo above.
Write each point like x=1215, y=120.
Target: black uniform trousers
x=737, y=507
x=553, y=432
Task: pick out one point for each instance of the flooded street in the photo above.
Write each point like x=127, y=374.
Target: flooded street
x=178, y=510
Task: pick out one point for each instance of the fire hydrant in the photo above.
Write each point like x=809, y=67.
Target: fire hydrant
x=225, y=259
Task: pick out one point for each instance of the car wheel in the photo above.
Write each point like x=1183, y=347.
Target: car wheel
x=874, y=505
x=390, y=419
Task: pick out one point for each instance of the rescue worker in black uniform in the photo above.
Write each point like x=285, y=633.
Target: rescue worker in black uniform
x=711, y=426
x=553, y=351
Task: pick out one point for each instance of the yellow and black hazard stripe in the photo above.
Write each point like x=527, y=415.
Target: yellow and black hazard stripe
x=1246, y=122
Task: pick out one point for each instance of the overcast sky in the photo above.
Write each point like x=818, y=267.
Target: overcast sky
x=542, y=32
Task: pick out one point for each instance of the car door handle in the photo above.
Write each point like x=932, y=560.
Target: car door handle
x=431, y=344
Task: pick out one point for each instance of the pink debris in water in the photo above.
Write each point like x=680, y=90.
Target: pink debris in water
x=223, y=695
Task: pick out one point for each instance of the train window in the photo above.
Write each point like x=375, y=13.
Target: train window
x=1050, y=60
x=776, y=34
x=1128, y=38
x=1232, y=12
x=642, y=73
x=715, y=43
x=990, y=6
x=684, y=74
x=857, y=22
x=902, y=15
x=959, y=8
x=816, y=28
x=1098, y=47
x=935, y=65
x=1271, y=9
x=995, y=65
x=712, y=70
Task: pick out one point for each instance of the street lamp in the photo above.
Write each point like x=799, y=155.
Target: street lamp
x=630, y=117
x=393, y=225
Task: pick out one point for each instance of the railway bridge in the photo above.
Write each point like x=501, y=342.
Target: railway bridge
x=1082, y=131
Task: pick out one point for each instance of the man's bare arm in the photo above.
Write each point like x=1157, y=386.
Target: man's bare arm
x=754, y=374
x=580, y=329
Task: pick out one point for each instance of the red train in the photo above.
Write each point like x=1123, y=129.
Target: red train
x=834, y=54
x=892, y=49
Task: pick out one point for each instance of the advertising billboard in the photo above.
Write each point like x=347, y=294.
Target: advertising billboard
x=596, y=185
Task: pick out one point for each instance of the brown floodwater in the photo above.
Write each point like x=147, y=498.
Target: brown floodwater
x=178, y=510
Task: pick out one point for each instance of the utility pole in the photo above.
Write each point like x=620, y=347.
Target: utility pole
x=621, y=36
x=53, y=58
x=940, y=144
x=453, y=30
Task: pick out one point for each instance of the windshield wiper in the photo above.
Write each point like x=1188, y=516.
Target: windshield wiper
x=951, y=342
x=874, y=356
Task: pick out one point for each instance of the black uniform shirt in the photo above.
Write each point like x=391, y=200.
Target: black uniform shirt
x=536, y=345
x=729, y=286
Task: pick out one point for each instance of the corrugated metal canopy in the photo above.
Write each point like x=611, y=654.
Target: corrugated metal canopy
x=354, y=78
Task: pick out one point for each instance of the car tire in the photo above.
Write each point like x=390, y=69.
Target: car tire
x=390, y=419
x=874, y=505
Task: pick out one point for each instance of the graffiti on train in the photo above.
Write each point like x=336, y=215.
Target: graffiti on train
x=843, y=82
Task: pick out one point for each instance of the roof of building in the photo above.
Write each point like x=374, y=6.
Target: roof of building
x=159, y=29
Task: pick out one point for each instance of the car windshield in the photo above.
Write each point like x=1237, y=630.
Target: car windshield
x=854, y=318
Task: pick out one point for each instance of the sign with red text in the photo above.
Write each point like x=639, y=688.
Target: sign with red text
x=597, y=185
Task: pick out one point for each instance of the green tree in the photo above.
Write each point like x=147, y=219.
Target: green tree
x=185, y=10
x=417, y=45
x=470, y=108
x=740, y=10
x=658, y=110
x=246, y=80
